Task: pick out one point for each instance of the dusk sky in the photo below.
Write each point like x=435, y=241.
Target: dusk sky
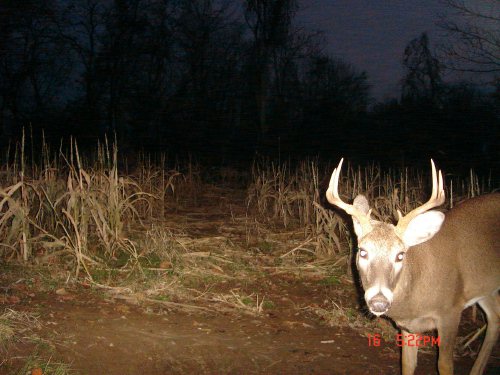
x=372, y=35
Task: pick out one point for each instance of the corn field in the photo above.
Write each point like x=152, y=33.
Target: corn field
x=84, y=212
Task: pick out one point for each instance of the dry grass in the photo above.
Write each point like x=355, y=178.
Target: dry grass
x=16, y=326
x=285, y=197
x=252, y=304
x=282, y=196
x=73, y=211
x=81, y=212
x=38, y=364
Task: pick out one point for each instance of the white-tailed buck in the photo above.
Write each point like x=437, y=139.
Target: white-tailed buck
x=429, y=267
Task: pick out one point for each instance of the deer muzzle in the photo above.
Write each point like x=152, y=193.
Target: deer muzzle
x=379, y=304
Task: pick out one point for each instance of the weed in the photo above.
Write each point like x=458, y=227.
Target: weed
x=15, y=325
x=330, y=281
x=38, y=364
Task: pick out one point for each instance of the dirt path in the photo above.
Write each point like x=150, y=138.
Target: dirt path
x=107, y=338
x=103, y=336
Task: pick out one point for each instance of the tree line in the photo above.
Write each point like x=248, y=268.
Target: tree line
x=221, y=79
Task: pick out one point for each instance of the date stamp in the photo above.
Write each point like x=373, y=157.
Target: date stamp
x=411, y=340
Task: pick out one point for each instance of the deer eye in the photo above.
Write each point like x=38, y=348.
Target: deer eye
x=400, y=256
x=363, y=253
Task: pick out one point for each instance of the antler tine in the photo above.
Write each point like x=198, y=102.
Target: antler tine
x=437, y=199
x=333, y=188
x=332, y=194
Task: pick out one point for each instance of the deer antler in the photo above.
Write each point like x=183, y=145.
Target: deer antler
x=332, y=194
x=437, y=199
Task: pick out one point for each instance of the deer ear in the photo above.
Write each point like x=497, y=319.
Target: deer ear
x=423, y=227
x=361, y=204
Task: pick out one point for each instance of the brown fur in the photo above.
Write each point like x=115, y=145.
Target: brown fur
x=460, y=265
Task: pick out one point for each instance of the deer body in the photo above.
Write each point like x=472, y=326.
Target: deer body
x=445, y=273
x=423, y=272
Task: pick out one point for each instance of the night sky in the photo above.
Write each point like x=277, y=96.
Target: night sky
x=372, y=35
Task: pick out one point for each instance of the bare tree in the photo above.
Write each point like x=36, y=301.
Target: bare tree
x=81, y=27
x=33, y=64
x=473, y=28
x=270, y=23
x=333, y=85
x=208, y=39
x=423, y=72
x=335, y=97
x=152, y=74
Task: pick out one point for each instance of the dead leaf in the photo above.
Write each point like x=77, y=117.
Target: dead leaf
x=122, y=309
x=14, y=299
x=67, y=297
x=165, y=264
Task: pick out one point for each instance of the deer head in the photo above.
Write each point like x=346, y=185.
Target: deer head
x=382, y=246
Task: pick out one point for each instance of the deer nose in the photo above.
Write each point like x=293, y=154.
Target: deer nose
x=379, y=305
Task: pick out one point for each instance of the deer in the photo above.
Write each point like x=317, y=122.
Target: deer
x=423, y=271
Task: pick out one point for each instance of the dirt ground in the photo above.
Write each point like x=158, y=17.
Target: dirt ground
x=97, y=332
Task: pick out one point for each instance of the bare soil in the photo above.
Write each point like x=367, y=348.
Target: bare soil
x=97, y=333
